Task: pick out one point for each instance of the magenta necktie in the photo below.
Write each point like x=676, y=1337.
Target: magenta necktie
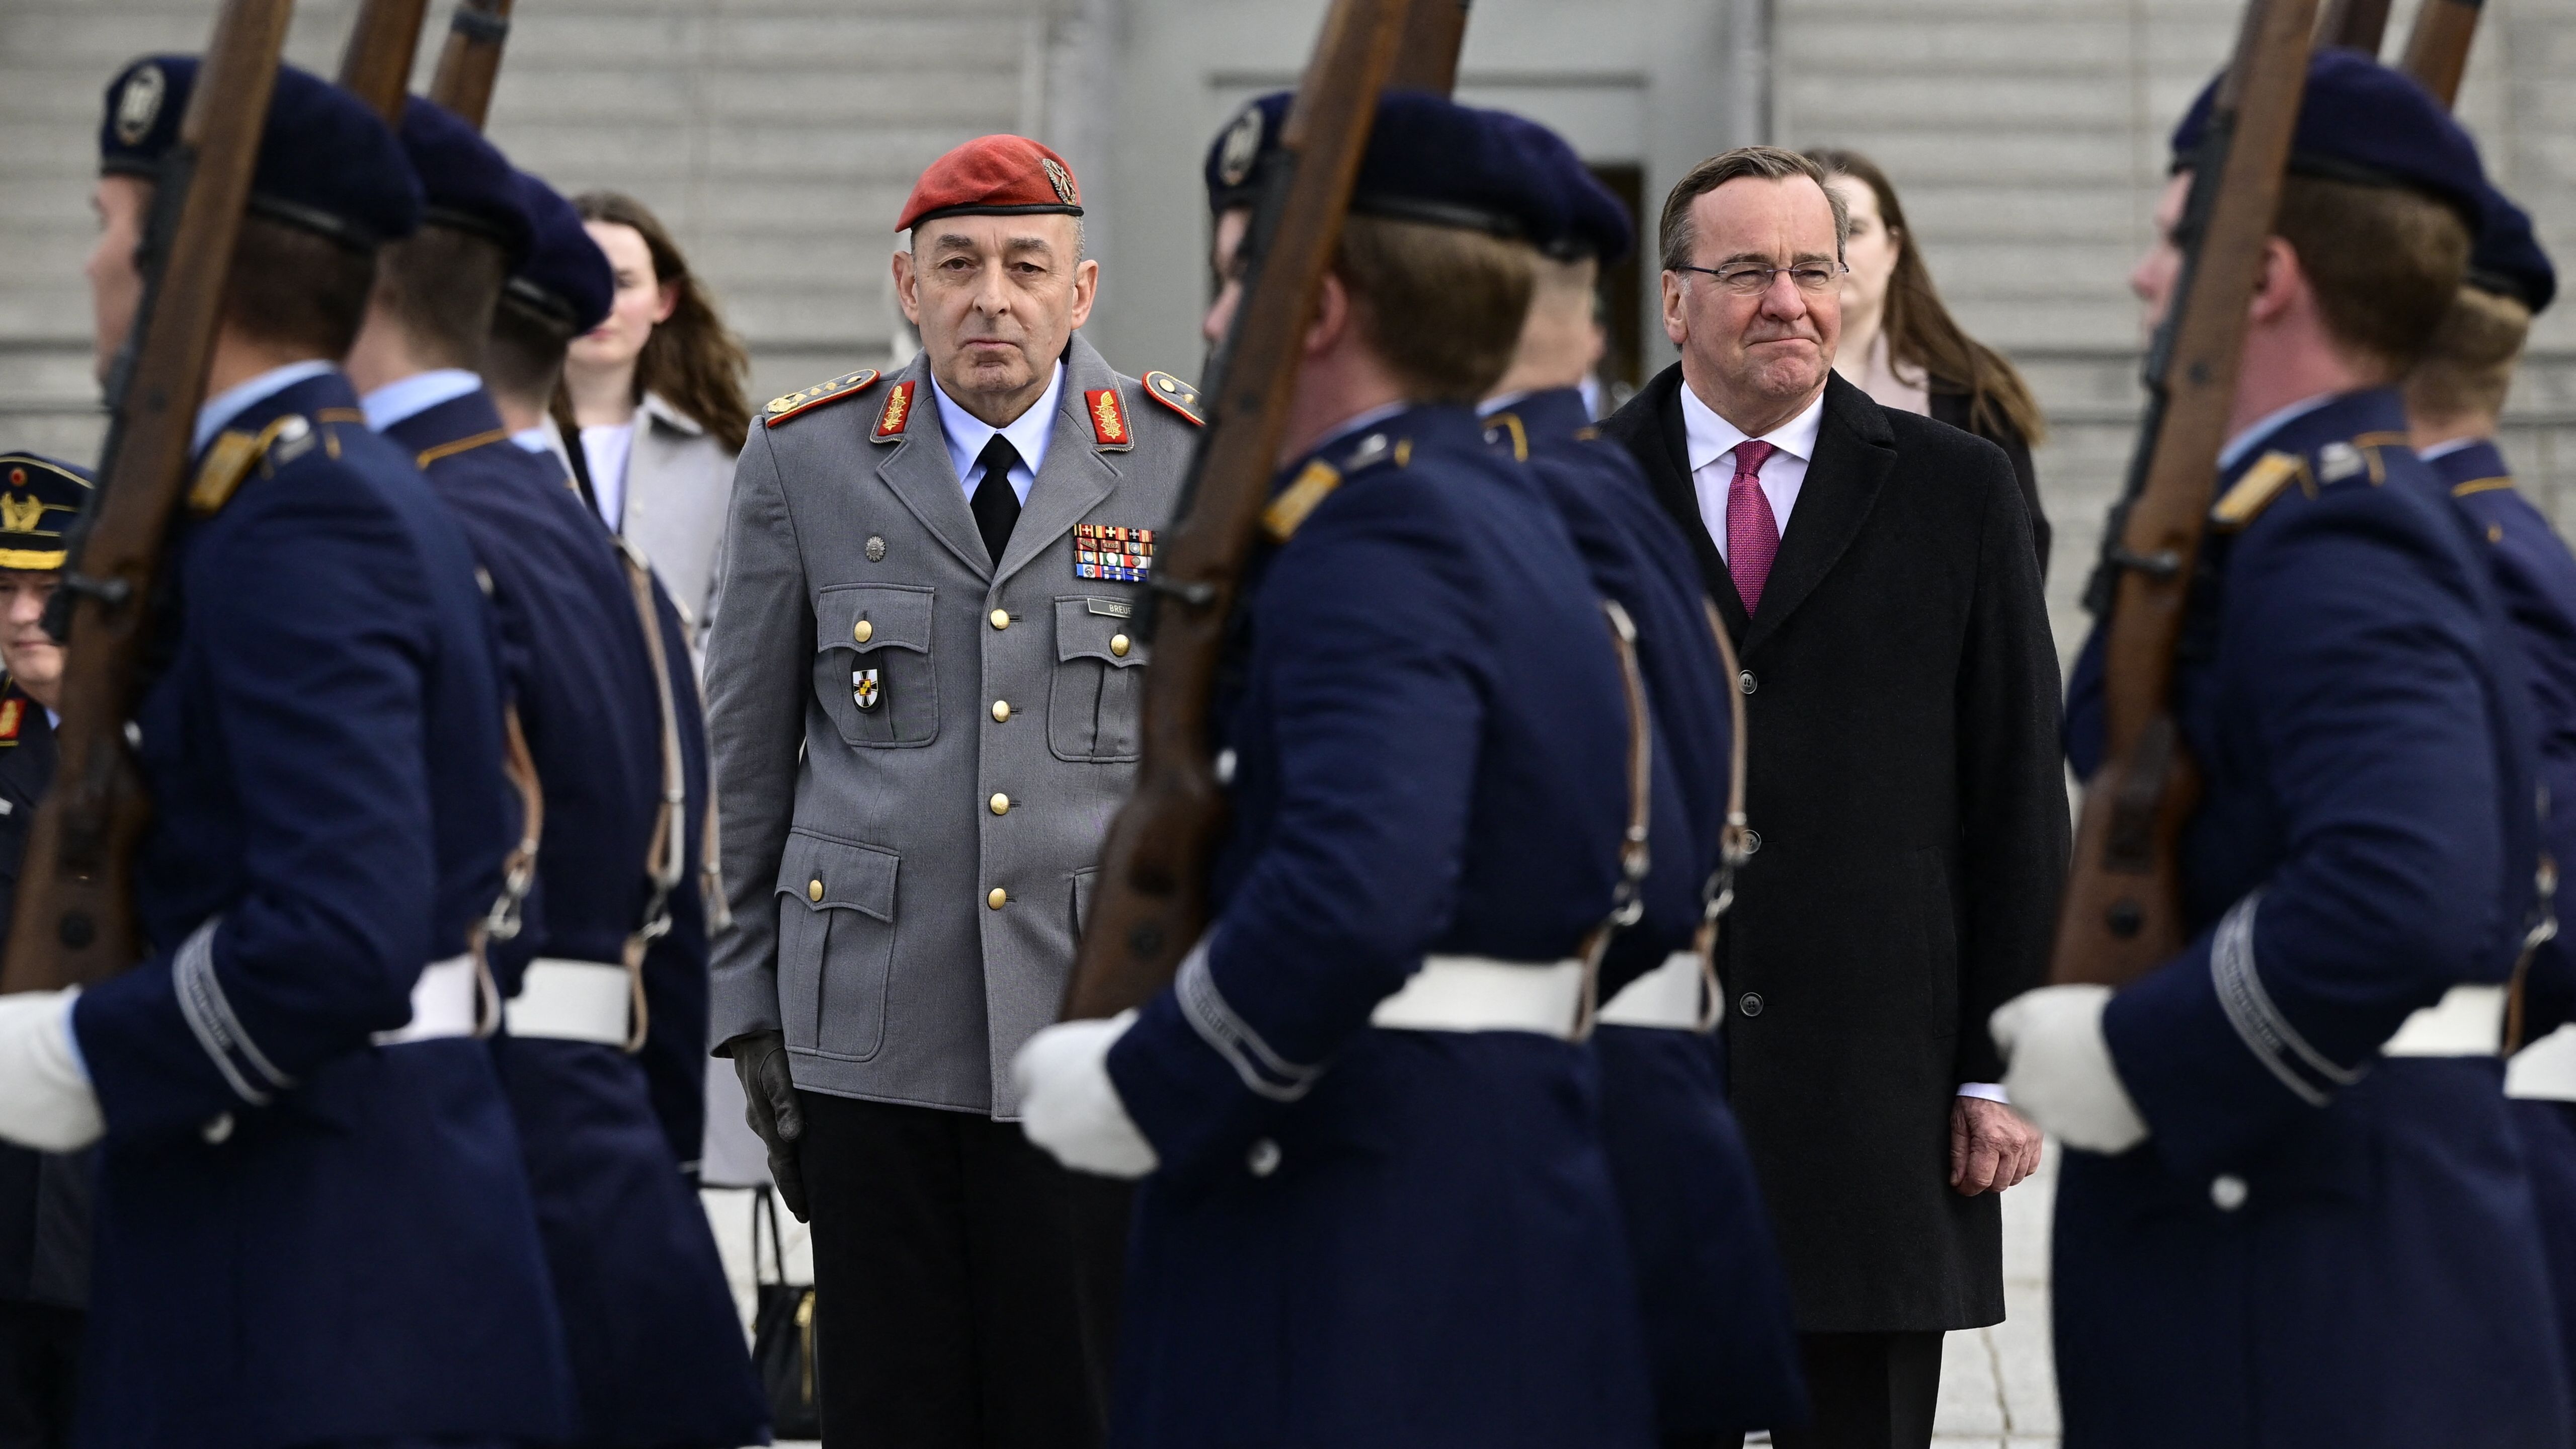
x=1752, y=534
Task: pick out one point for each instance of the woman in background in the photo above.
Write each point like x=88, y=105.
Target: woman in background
x=1900, y=344
x=654, y=396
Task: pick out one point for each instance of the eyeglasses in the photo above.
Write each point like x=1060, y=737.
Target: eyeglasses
x=1749, y=280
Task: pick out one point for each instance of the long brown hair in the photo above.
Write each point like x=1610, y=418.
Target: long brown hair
x=1920, y=331
x=692, y=361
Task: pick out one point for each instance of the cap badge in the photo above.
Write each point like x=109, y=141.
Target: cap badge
x=1242, y=147
x=1060, y=179
x=20, y=512
x=139, y=104
x=1108, y=419
x=1105, y=551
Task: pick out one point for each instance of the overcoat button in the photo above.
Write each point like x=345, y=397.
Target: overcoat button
x=1001, y=711
x=1750, y=1003
x=1752, y=842
x=863, y=631
x=1001, y=804
x=2227, y=1190
x=996, y=897
x=1746, y=682
x=1118, y=645
x=814, y=889
x=1263, y=1159
x=1001, y=618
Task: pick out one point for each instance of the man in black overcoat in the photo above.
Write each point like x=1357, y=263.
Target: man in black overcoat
x=1877, y=572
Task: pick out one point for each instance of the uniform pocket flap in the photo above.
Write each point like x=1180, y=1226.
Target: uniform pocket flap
x=873, y=616
x=836, y=875
x=1098, y=628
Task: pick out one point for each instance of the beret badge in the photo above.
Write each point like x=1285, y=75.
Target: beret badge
x=1059, y=178
x=139, y=104
x=1241, y=147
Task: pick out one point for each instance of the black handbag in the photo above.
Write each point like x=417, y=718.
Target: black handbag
x=782, y=1333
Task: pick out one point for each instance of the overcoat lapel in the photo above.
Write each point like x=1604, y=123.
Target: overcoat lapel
x=1079, y=470
x=915, y=465
x=1854, y=451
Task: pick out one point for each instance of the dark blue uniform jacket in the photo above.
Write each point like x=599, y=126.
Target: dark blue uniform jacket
x=44, y=1197
x=2317, y=1246
x=650, y=1324
x=302, y=1237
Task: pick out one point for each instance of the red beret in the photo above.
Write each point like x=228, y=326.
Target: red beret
x=993, y=176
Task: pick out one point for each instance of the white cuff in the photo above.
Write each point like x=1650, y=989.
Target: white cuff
x=1986, y=1092
x=1070, y=1107
x=2060, y=1071
x=46, y=1101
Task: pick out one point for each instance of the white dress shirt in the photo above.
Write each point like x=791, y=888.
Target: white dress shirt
x=1711, y=442
x=233, y=401
x=2268, y=424
x=1029, y=432
x=605, y=451
x=411, y=396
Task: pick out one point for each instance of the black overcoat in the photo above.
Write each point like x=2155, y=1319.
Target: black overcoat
x=1905, y=785
x=44, y=1199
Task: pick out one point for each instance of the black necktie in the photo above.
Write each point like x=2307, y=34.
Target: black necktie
x=996, y=506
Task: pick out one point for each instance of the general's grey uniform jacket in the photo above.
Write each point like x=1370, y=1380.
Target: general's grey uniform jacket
x=862, y=846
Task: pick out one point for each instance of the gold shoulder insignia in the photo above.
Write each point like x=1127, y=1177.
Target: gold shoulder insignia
x=1502, y=425
x=2261, y=484
x=2481, y=485
x=232, y=455
x=1175, y=394
x=1287, y=512
x=848, y=384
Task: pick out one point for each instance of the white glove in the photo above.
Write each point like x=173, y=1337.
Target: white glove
x=2060, y=1072
x=46, y=1101
x=1069, y=1106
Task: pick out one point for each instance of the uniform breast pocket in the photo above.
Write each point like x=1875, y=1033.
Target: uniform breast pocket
x=835, y=944
x=873, y=667
x=1097, y=700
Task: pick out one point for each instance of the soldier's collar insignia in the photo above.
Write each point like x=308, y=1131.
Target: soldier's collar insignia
x=233, y=454
x=1287, y=512
x=1108, y=418
x=848, y=384
x=2255, y=491
x=2481, y=485
x=1506, y=425
x=897, y=412
x=1107, y=551
x=2339, y=460
x=13, y=713
x=1175, y=394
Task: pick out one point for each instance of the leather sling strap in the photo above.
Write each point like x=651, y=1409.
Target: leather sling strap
x=666, y=859
x=518, y=870
x=2543, y=930
x=1719, y=894
x=1634, y=860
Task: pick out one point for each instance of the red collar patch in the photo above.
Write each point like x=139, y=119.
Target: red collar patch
x=1108, y=418
x=898, y=411
x=13, y=710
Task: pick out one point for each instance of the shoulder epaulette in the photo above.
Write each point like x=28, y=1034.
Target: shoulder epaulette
x=232, y=455
x=1508, y=425
x=848, y=384
x=2481, y=485
x=2255, y=491
x=1287, y=512
x=1175, y=394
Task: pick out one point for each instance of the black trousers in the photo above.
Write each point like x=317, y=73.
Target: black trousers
x=1870, y=1391
x=965, y=1286
x=39, y=1374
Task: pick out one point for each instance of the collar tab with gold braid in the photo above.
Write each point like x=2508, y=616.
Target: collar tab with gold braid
x=1287, y=512
x=232, y=455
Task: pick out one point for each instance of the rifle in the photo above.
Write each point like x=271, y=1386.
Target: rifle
x=2437, y=51
x=471, y=62
x=1151, y=903
x=2354, y=25
x=75, y=920
x=2122, y=912
x=376, y=67
x=1427, y=58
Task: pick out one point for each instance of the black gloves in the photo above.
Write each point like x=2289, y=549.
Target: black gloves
x=769, y=1103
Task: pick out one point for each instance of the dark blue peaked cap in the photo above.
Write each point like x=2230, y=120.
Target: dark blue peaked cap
x=1588, y=220
x=2507, y=259
x=39, y=499
x=326, y=163
x=465, y=180
x=564, y=275
x=2361, y=121
x=1429, y=159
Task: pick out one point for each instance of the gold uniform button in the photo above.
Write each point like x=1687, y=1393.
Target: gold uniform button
x=1001, y=711
x=1001, y=804
x=1118, y=645
x=814, y=889
x=863, y=631
x=1001, y=618
x=996, y=896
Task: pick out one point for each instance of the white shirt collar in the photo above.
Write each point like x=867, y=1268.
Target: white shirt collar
x=2444, y=450
x=233, y=401
x=1710, y=437
x=409, y=397
x=539, y=439
x=2268, y=424
x=1355, y=422
x=1029, y=434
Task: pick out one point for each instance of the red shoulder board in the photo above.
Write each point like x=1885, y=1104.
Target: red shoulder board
x=1175, y=394
x=850, y=384
x=898, y=411
x=1108, y=419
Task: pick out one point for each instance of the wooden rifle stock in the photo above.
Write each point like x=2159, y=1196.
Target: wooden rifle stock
x=75, y=921
x=471, y=63
x=2354, y=24
x=376, y=67
x=2122, y=913
x=1151, y=902
x=1427, y=58
x=2437, y=51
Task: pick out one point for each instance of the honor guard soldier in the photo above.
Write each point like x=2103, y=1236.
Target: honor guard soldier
x=1719, y=1335
x=649, y=1322
x=924, y=680
x=44, y=1197
x=312, y=1226
x=1379, y=1212
x=2454, y=399
x=2294, y=1212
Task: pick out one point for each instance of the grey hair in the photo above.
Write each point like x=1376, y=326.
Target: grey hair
x=1677, y=236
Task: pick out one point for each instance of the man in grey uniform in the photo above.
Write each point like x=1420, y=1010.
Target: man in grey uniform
x=924, y=682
